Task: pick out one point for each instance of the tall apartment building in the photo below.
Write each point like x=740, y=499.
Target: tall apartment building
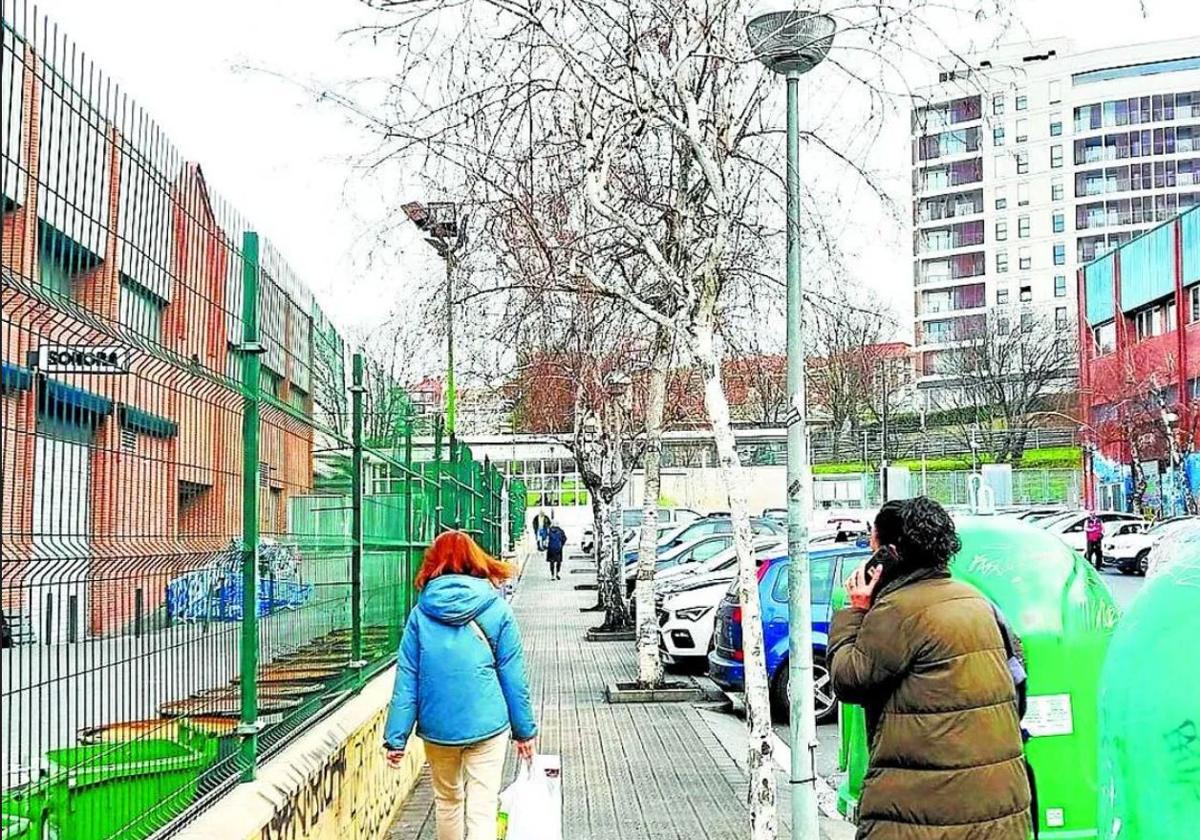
x=1031, y=161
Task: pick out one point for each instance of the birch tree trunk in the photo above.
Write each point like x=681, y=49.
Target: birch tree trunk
x=611, y=574
x=650, y=669
x=763, y=794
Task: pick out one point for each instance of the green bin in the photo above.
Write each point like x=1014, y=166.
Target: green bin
x=1150, y=712
x=1064, y=615
x=126, y=790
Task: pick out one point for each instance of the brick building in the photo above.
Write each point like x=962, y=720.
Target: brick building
x=122, y=469
x=1139, y=311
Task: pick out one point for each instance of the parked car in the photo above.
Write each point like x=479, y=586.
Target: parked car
x=693, y=553
x=827, y=568
x=686, y=604
x=1036, y=514
x=707, y=527
x=631, y=521
x=1131, y=547
x=1181, y=542
x=779, y=515
x=1070, y=527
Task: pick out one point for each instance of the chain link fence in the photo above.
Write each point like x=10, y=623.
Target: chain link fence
x=210, y=528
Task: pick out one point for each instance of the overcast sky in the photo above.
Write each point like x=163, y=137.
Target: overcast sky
x=286, y=165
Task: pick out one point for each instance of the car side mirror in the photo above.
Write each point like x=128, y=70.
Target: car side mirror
x=862, y=542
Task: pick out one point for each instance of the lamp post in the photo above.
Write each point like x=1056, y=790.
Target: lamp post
x=440, y=223
x=791, y=42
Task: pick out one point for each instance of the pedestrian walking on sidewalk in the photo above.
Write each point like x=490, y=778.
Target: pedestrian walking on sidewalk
x=541, y=529
x=924, y=656
x=1094, y=531
x=556, y=542
x=460, y=678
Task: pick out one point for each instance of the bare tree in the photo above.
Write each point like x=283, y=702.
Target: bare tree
x=1004, y=366
x=657, y=174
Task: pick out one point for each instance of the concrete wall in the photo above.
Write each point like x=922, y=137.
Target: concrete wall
x=331, y=784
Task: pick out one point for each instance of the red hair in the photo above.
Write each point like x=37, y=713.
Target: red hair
x=455, y=553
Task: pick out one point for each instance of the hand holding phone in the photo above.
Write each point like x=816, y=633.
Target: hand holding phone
x=862, y=584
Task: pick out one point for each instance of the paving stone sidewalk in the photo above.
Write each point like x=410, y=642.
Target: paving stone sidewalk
x=630, y=772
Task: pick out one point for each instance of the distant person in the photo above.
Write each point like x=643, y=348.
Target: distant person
x=1094, y=531
x=924, y=656
x=460, y=678
x=556, y=541
x=541, y=529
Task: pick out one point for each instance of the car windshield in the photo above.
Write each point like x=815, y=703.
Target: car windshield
x=1059, y=519
x=1163, y=528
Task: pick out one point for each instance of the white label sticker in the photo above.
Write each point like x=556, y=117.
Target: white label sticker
x=1049, y=714
x=1055, y=818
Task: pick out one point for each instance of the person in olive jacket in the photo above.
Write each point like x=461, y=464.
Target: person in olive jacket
x=924, y=657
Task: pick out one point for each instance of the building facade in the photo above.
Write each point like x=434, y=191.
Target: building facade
x=123, y=277
x=1139, y=315
x=1030, y=161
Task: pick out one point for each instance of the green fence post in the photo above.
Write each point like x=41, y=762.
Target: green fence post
x=410, y=526
x=251, y=350
x=439, y=488
x=356, y=519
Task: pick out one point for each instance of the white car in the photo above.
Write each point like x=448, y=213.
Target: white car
x=1070, y=527
x=686, y=620
x=1132, y=548
x=682, y=575
x=1182, y=541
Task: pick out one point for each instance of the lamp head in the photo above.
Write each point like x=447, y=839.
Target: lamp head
x=789, y=40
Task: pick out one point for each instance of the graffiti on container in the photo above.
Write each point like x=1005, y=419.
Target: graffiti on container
x=302, y=812
x=214, y=591
x=1183, y=745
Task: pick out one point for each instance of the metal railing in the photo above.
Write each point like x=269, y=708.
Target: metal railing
x=210, y=525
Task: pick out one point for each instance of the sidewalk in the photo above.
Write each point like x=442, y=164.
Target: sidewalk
x=630, y=772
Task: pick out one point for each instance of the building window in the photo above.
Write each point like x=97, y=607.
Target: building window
x=1001, y=262
x=1056, y=157
x=998, y=136
x=1023, y=227
x=1001, y=198
x=1056, y=191
x=1024, y=260
x=1058, y=222
x=1056, y=124
x=141, y=310
x=998, y=166
x=1022, y=101
x=1060, y=318
x=1022, y=130
x=1026, y=294
x=1022, y=195
x=1194, y=315
x=1022, y=163
x=1002, y=297
x=1060, y=254
x=1001, y=230
x=1060, y=285
x=1055, y=91
x=1154, y=320
x=1026, y=322
x=998, y=104
x=1104, y=338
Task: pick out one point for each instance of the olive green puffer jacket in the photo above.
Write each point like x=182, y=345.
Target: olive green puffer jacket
x=928, y=665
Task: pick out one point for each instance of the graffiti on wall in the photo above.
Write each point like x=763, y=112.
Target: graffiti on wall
x=353, y=794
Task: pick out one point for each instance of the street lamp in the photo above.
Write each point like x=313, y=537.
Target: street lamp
x=443, y=229
x=791, y=42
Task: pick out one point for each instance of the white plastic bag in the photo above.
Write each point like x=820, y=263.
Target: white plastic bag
x=531, y=807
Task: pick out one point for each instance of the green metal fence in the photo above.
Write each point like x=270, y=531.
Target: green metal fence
x=210, y=526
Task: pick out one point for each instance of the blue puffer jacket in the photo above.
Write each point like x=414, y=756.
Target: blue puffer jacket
x=459, y=688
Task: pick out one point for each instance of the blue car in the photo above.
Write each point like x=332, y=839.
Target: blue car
x=828, y=568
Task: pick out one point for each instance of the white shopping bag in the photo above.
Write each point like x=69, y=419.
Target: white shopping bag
x=531, y=807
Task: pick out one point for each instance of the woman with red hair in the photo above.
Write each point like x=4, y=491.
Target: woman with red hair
x=460, y=678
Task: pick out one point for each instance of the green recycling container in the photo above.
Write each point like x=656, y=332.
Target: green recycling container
x=125, y=790
x=1065, y=616
x=1150, y=712
x=24, y=812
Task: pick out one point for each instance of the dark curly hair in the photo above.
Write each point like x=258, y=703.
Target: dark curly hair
x=889, y=523
x=927, y=537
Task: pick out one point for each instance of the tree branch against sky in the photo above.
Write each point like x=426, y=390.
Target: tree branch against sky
x=632, y=149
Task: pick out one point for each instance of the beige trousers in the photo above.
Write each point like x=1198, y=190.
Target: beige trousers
x=466, y=787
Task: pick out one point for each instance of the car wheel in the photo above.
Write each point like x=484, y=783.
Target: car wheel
x=825, y=701
x=1143, y=562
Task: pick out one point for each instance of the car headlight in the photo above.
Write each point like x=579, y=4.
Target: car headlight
x=691, y=613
